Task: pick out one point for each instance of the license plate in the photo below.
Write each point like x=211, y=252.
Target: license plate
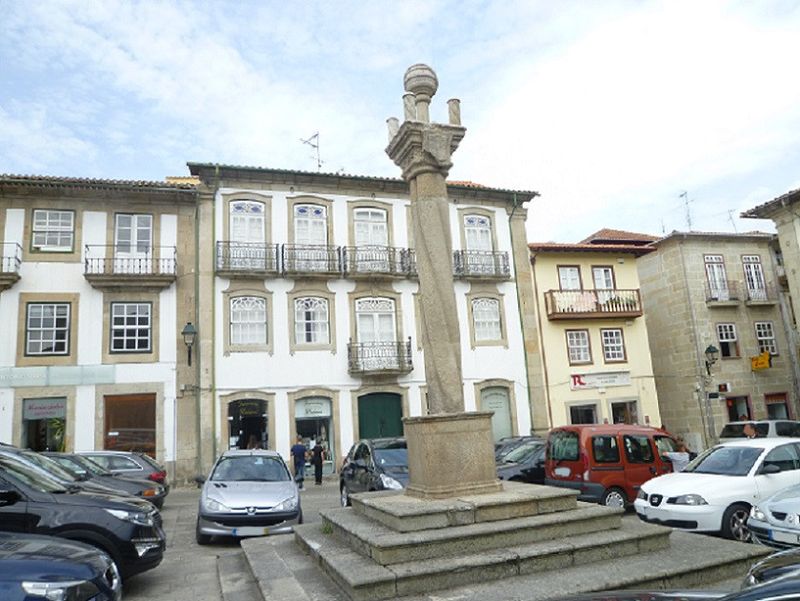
x=784, y=537
x=250, y=531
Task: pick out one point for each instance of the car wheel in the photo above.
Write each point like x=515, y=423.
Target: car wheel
x=344, y=496
x=614, y=497
x=202, y=539
x=734, y=523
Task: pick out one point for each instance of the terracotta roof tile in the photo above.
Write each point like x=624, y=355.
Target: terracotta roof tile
x=584, y=247
x=86, y=182
x=608, y=234
x=763, y=210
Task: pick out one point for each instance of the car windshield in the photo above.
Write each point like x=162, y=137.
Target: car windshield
x=87, y=464
x=30, y=476
x=250, y=468
x=391, y=457
x=50, y=466
x=725, y=461
x=522, y=453
x=73, y=468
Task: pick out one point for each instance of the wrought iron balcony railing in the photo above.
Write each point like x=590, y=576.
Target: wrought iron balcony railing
x=126, y=265
x=370, y=358
x=246, y=258
x=722, y=292
x=376, y=260
x=484, y=264
x=301, y=259
x=765, y=295
x=11, y=258
x=592, y=304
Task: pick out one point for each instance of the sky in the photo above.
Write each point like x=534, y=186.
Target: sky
x=608, y=109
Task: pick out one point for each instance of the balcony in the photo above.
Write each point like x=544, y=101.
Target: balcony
x=246, y=260
x=300, y=260
x=761, y=296
x=481, y=265
x=722, y=294
x=592, y=304
x=122, y=266
x=10, y=262
x=379, y=358
x=376, y=261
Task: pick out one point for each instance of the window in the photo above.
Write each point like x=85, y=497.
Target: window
x=311, y=321
x=765, y=335
x=130, y=327
x=563, y=445
x=613, y=345
x=726, y=334
x=605, y=449
x=785, y=457
x=477, y=232
x=603, y=278
x=625, y=412
x=717, y=279
x=248, y=320
x=247, y=221
x=486, y=319
x=310, y=225
x=370, y=227
x=583, y=414
x=754, y=278
x=47, y=329
x=53, y=231
x=638, y=449
x=578, y=346
x=569, y=277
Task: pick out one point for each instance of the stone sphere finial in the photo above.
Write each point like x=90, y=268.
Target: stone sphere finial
x=420, y=79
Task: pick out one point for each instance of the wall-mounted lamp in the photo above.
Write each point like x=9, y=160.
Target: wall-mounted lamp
x=189, y=333
x=712, y=354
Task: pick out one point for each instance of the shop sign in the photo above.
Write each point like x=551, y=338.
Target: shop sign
x=601, y=380
x=760, y=362
x=250, y=408
x=320, y=407
x=44, y=408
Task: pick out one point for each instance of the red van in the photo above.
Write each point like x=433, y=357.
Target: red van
x=607, y=463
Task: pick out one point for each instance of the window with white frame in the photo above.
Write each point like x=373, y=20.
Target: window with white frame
x=370, y=227
x=486, y=319
x=248, y=320
x=578, y=346
x=613, y=345
x=728, y=342
x=310, y=225
x=53, y=231
x=131, y=327
x=477, y=232
x=47, y=329
x=765, y=335
x=247, y=218
x=311, y=321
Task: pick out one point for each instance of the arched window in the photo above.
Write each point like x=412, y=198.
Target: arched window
x=311, y=321
x=248, y=320
x=486, y=319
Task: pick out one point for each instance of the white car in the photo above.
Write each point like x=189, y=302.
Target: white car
x=717, y=490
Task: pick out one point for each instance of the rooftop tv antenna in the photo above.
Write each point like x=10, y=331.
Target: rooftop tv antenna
x=313, y=141
x=686, y=200
x=732, y=220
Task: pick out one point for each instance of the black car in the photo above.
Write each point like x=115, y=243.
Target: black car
x=36, y=567
x=127, y=529
x=85, y=470
x=377, y=464
x=525, y=463
x=508, y=444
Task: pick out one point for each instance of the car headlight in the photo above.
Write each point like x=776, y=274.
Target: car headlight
x=642, y=495
x=72, y=590
x=390, y=483
x=289, y=504
x=757, y=514
x=139, y=518
x=690, y=500
x=213, y=505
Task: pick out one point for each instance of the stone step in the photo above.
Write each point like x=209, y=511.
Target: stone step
x=361, y=578
x=236, y=579
x=408, y=514
x=385, y=546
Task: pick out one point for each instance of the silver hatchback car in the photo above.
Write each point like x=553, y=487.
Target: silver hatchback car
x=248, y=493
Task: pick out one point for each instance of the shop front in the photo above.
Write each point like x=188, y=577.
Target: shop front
x=44, y=424
x=248, y=424
x=314, y=422
x=130, y=423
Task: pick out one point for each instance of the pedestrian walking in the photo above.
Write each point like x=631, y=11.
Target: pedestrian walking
x=299, y=452
x=316, y=460
x=679, y=457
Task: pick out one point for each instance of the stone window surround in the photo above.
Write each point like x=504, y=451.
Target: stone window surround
x=589, y=341
x=41, y=392
x=309, y=199
x=624, y=347
x=253, y=196
x=376, y=290
x=711, y=259
x=610, y=402
x=512, y=398
x=306, y=288
x=155, y=241
x=485, y=290
x=71, y=358
x=736, y=344
x=580, y=274
x=594, y=403
x=73, y=256
x=390, y=387
x=138, y=388
x=245, y=288
x=774, y=335
x=224, y=405
x=134, y=296
x=352, y=205
x=72, y=246
x=335, y=432
x=776, y=401
x=482, y=212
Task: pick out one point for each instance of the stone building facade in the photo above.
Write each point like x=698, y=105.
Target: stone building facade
x=719, y=290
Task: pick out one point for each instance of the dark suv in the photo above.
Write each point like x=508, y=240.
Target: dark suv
x=377, y=464
x=129, y=531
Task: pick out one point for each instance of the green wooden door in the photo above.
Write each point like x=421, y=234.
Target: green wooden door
x=380, y=415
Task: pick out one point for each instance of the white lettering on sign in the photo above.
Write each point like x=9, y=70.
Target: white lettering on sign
x=601, y=380
x=44, y=408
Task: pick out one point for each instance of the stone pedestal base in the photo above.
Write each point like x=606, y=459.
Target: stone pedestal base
x=451, y=455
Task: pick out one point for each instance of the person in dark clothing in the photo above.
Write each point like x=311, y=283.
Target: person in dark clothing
x=316, y=460
x=299, y=452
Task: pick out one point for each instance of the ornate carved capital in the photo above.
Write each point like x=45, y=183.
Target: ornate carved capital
x=424, y=148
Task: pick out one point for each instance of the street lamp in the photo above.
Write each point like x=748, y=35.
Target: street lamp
x=712, y=354
x=189, y=333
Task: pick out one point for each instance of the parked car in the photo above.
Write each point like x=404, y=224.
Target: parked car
x=44, y=567
x=376, y=464
x=524, y=463
x=127, y=529
x=775, y=521
x=130, y=465
x=717, y=490
x=765, y=428
x=85, y=469
x=248, y=493
x=606, y=463
x=508, y=444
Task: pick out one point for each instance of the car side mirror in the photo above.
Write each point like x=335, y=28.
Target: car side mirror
x=199, y=480
x=9, y=497
x=770, y=469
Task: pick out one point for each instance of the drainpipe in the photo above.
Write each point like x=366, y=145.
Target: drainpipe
x=197, y=400
x=542, y=349
x=214, y=321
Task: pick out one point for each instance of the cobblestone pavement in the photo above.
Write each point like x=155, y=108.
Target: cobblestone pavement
x=189, y=571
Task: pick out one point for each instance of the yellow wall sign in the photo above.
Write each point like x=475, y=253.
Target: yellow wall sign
x=760, y=362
